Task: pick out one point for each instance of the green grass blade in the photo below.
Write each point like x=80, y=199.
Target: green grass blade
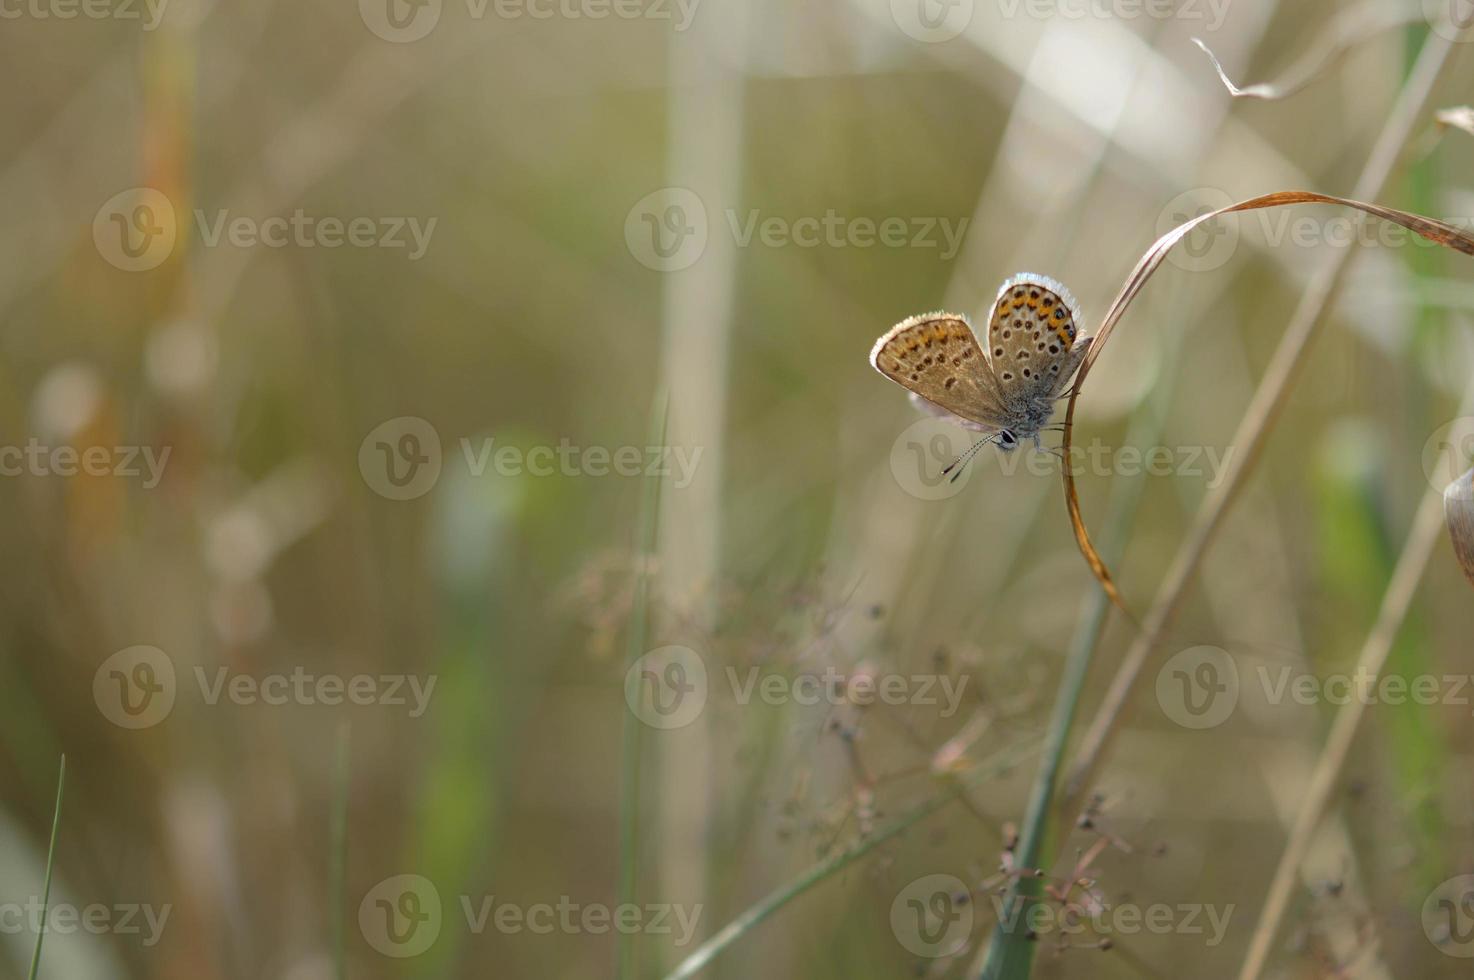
x=1010, y=955
x=636, y=641
x=61, y=781
x=338, y=860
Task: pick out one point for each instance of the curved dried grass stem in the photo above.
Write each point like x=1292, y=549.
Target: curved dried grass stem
x=1258, y=419
x=1344, y=31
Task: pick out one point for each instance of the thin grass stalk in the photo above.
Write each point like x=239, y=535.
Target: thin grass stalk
x=1426, y=531
x=338, y=859
x=779, y=897
x=1011, y=956
x=636, y=641
x=61, y=782
x=1258, y=420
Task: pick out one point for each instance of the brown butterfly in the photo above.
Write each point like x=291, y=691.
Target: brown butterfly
x=1007, y=390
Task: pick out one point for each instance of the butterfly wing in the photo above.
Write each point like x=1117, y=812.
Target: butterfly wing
x=937, y=411
x=1032, y=338
x=1067, y=370
x=936, y=357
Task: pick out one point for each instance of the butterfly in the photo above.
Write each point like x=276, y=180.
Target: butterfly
x=1007, y=390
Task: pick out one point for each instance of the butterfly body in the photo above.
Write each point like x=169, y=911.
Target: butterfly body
x=1007, y=389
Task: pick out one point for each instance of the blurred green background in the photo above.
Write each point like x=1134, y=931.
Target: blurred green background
x=721, y=204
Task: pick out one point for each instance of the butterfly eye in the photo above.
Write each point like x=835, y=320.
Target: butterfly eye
x=1006, y=439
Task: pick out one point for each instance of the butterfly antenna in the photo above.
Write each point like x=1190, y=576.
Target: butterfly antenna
x=960, y=463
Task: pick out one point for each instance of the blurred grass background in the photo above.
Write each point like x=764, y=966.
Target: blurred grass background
x=530, y=320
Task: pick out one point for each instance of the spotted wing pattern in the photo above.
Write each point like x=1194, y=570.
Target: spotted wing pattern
x=1032, y=338
x=936, y=356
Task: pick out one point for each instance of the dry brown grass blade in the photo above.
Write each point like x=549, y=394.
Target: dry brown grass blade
x=1323, y=780
x=1345, y=31
x=1433, y=230
x=1417, y=549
